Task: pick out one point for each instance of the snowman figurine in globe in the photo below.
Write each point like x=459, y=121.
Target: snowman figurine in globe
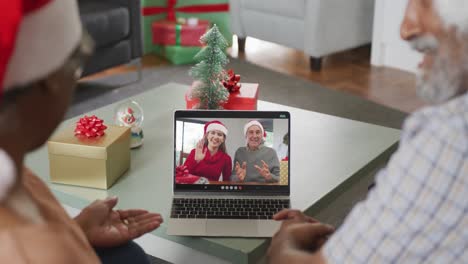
x=130, y=114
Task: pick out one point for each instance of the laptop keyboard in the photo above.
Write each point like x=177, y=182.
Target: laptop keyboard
x=227, y=208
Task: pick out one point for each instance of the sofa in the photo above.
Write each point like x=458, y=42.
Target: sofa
x=316, y=27
x=115, y=26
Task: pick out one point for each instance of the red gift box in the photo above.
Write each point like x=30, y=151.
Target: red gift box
x=245, y=99
x=171, y=33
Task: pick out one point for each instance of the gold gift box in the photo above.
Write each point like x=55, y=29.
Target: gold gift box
x=94, y=162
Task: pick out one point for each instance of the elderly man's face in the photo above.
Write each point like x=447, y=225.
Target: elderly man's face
x=254, y=136
x=444, y=67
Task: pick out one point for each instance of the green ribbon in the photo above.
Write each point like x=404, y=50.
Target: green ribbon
x=178, y=29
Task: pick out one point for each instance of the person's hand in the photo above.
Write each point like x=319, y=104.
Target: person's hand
x=199, y=152
x=264, y=170
x=105, y=227
x=241, y=170
x=298, y=237
x=290, y=216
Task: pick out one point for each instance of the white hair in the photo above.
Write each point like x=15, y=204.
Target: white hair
x=453, y=13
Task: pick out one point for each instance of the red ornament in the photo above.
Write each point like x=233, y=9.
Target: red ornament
x=90, y=127
x=232, y=83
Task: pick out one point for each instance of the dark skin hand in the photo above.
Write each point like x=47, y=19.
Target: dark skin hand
x=105, y=227
x=299, y=239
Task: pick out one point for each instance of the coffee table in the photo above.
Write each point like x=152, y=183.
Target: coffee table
x=327, y=153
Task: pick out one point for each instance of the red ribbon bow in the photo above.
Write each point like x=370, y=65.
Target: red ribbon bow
x=232, y=83
x=90, y=127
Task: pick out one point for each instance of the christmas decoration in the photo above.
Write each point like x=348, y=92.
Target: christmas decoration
x=216, y=11
x=245, y=99
x=209, y=72
x=90, y=162
x=184, y=177
x=181, y=33
x=232, y=83
x=90, y=127
x=284, y=172
x=130, y=114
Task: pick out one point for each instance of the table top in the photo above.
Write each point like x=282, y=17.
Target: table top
x=326, y=151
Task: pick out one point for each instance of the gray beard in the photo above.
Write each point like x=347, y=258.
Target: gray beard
x=443, y=82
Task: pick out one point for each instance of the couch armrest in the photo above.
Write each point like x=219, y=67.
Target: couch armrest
x=336, y=25
x=136, y=38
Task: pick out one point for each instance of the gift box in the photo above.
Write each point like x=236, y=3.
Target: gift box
x=215, y=11
x=180, y=34
x=284, y=172
x=244, y=99
x=180, y=55
x=89, y=162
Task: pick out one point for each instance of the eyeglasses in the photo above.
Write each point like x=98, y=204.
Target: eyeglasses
x=74, y=65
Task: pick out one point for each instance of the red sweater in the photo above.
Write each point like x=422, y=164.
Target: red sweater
x=210, y=167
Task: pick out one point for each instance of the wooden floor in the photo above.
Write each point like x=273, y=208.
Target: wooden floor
x=349, y=72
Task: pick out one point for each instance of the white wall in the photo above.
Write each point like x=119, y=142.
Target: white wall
x=388, y=49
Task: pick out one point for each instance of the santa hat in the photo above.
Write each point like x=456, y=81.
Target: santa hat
x=216, y=125
x=36, y=37
x=254, y=123
x=453, y=13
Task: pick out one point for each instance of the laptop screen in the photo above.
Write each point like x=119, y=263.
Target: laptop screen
x=232, y=151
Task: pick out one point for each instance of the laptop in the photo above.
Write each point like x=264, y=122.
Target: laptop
x=205, y=204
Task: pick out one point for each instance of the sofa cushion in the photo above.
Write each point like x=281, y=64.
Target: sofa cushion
x=106, y=22
x=288, y=8
x=107, y=57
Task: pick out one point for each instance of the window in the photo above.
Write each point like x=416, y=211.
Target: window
x=188, y=135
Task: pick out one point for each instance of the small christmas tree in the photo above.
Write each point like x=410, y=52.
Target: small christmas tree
x=209, y=73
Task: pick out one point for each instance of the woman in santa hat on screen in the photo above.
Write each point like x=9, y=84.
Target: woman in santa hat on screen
x=209, y=158
x=255, y=162
x=42, y=47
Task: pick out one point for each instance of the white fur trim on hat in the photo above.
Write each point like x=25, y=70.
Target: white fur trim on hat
x=453, y=13
x=7, y=174
x=216, y=126
x=253, y=123
x=46, y=38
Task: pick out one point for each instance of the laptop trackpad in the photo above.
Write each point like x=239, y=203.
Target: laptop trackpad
x=231, y=227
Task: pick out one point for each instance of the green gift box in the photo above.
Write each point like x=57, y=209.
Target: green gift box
x=179, y=54
x=216, y=11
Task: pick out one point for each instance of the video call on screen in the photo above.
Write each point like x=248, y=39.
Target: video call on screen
x=264, y=159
